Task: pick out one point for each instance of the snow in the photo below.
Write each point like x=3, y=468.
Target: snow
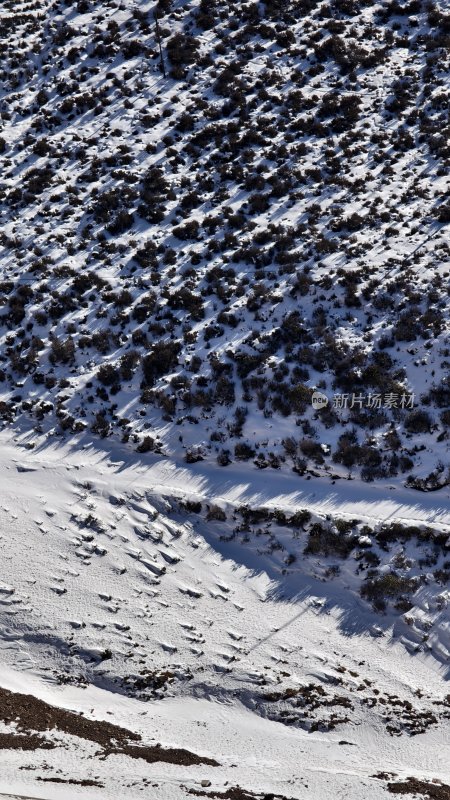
x=124, y=595
x=228, y=625
x=257, y=753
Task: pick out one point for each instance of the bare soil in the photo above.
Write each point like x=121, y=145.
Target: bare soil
x=30, y=715
x=418, y=788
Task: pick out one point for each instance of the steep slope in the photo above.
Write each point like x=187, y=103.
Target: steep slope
x=223, y=252
x=137, y=595
x=202, y=249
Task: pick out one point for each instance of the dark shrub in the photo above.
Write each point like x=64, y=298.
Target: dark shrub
x=188, y=301
x=108, y=374
x=323, y=541
x=62, y=352
x=215, y=512
x=121, y=222
x=101, y=425
x=243, y=451
x=390, y=586
x=418, y=421
x=223, y=459
x=147, y=445
x=182, y=49
x=162, y=358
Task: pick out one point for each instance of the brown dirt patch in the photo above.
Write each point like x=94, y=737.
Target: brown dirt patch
x=85, y=782
x=13, y=741
x=430, y=791
x=30, y=714
x=237, y=793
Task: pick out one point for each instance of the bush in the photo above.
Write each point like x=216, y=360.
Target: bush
x=300, y=518
x=217, y=513
x=408, y=327
x=144, y=307
x=187, y=231
x=299, y=398
x=243, y=451
x=193, y=506
x=146, y=256
x=128, y=363
x=325, y=542
x=182, y=49
x=154, y=187
x=390, y=586
x=312, y=449
x=62, y=352
x=188, y=301
x=108, y=375
x=162, y=358
x=224, y=392
x=146, y=446
x=192, y=455
x=121, y=222
x=440, y=394
x=418, y=421
x=223, y=459
x=100, y=425
x=205, y=18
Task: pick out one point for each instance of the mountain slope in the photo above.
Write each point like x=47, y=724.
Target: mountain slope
x=224, y=377
x=206, y=248
x=203, y=624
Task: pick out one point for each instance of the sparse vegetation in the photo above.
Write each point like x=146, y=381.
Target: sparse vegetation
x=174, y=266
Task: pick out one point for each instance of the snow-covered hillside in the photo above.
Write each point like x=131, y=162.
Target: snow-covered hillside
x=232, y=621
x=224, y=399
x=202, y=249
